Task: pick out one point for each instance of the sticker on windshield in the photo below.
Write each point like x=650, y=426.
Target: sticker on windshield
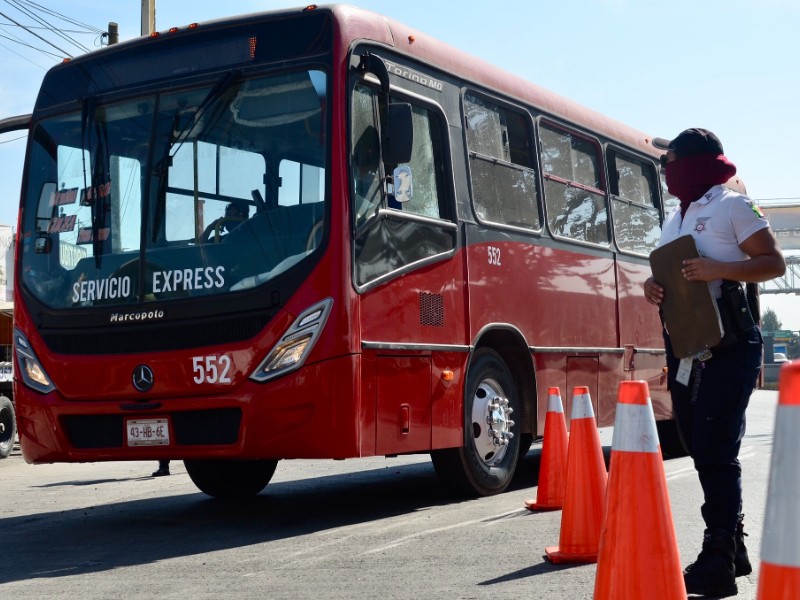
x=62, y=224
x=403, y=184
x=85, y=235
x=99, y=191
x=62, y=197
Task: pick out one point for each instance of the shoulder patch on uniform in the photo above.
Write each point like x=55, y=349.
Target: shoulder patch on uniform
x=754, y=207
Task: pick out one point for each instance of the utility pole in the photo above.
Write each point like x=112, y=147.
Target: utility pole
x=113, y=33
x=148, y=16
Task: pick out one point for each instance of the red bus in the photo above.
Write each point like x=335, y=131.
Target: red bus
x=321, y=233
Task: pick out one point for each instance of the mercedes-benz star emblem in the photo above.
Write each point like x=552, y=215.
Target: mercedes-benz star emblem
x=143, y=378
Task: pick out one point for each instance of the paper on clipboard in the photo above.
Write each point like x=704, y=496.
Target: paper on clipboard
x=690, y=311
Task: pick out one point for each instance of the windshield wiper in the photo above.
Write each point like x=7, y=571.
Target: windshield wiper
x=162, y=166
x=96, y=187
x=213, y=95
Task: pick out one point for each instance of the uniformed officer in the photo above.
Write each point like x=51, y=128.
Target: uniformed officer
x=735, y=244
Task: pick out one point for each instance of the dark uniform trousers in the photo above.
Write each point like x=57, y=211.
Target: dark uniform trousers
x=710, y=413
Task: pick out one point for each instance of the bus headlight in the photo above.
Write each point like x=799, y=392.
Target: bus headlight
x=33, y=374
x=296, y=344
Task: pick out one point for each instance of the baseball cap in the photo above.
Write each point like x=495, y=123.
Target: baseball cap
x=691, y=142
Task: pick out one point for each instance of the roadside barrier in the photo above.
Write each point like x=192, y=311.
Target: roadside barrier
x=638, y=555
x=780, y=543
x=553, y=470
x=584, y=499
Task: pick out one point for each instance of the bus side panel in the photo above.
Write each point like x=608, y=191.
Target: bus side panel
x=582, y=371
x=640, y=327
x=404, y=409
x=550, y=372
x=447, y=418
x=427, y=308
x=442, y=416
x=556, y=298
x=601, y=373
x=640, y=324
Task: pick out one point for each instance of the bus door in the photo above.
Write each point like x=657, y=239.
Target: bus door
x=407, y=272
x=637, y=228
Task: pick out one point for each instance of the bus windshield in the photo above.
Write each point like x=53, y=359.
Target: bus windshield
x=188, y=193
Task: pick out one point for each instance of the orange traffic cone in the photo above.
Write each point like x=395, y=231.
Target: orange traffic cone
x=553, y=472
x=584, y=499
x=780, y=543
x=638, y=555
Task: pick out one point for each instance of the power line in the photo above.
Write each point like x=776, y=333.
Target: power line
x=14, y=139
x=88, y=28
x=17, y=40
x=22, y=56
x=48, y=28
x=55, y=30
x=33, y=33
x=43, y=26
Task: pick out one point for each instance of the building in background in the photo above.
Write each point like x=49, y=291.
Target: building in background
x=6, y=292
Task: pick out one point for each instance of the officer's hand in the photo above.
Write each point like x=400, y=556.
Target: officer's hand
x=701, y=269
x=653, y=292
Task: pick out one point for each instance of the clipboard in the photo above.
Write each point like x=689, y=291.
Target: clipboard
x=690, y=312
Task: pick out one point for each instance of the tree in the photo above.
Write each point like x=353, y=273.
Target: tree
x=770, y=321
x=793, y=349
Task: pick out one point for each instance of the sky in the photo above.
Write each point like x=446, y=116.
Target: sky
x=726, y=65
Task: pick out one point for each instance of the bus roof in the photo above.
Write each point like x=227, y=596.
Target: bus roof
x=355, y=24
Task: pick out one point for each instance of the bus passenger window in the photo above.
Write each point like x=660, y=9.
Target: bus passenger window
x=635, y=208
x=574, y=196
x=366, y=156
x=424, y=167
x=501, y=164
x=399, y=238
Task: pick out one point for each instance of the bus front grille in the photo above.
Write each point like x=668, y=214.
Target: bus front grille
x=160, y=337
x=218, y=427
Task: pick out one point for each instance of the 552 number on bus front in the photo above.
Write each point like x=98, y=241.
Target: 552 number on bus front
x=212, y=369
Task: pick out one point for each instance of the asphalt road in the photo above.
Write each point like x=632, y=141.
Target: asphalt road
x=366, y=528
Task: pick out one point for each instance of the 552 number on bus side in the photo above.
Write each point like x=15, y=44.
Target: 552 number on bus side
x=212, y=369
x=494, y=256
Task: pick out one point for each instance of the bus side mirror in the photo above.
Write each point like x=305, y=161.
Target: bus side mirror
x=398, y=134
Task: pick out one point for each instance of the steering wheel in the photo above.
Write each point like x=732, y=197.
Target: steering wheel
x=217, y=232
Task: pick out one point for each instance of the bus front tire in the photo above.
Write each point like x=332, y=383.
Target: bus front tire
x=229, y=479
x=485, y=464
x=8, y=427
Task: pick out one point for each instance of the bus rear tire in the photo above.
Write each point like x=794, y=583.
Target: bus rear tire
x=479, y=467
x=229, y=479
x=8, y=427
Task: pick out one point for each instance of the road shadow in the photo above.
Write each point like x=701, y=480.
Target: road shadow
x=109, y=536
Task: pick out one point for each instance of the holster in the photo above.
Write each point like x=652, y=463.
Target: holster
x=735, y=313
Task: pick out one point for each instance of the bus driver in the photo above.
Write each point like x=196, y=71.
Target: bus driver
x=235, y=213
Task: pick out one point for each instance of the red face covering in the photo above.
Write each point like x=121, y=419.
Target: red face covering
x=690, y=177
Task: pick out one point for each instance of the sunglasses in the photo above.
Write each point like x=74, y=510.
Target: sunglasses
x=664, y=160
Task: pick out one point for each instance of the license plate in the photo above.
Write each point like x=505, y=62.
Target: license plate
x=147, y=432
